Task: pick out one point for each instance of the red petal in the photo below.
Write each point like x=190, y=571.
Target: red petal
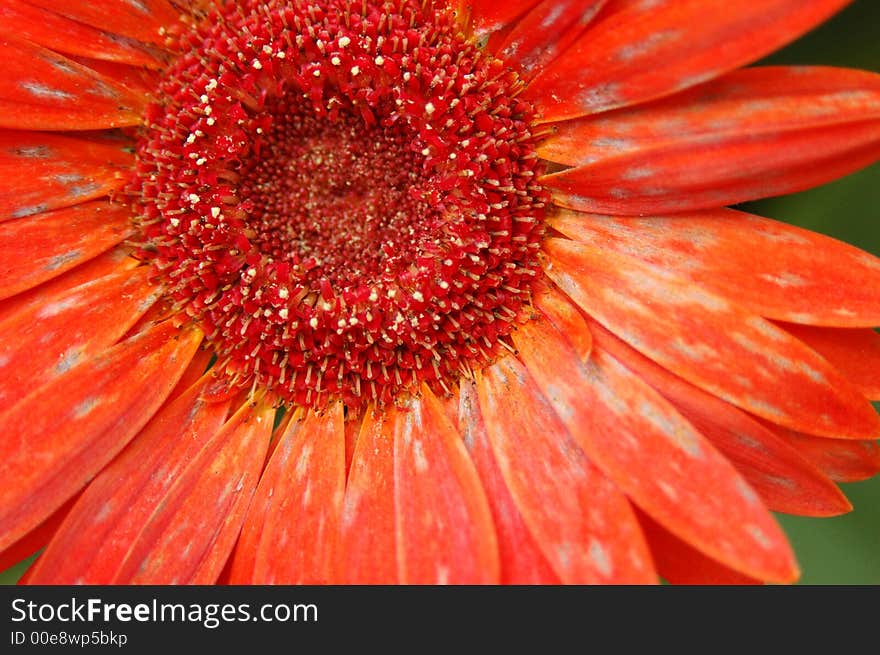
x=142, y=20
x=785, y=480
x=193, y=373
x=50, y=447
x=711, y=343
x=36, y=249
x=712, y=171
x=36, y=539
x=18, y=18
x=193, y=529
x=639, y=50
x=654, y=456
x=855, y=353
x=291, y=531
x=43, y=90
x=42, y=342
x=565, y=317
x=522, y=562
x=767, y=267
x=678, y=563
x=105, y=523
x=45, y=171
x=841, y=460
x=490, y=15
x=547, y=31
x=141, y=81
x=89, y=271
x=368, y=553
x=443, y=523
x=583, y=524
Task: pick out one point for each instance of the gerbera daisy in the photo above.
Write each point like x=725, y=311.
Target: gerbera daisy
x=356, y=291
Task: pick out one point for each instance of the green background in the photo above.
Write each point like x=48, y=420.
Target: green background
x=846, y=549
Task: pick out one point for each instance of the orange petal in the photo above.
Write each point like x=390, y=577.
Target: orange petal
x=522, y=562
x=41, y=343
x=51, y=447
x=193, y=529
x=46, y=171
x=654, y=456
x=715, y=170
x=769, y=268
x=43, y=90
x=583, y=524
x=711, y=342
x=443, y=524
x=104, y=264
x=49, y=29
x=680, y=564
x=556, y=307
x=290, y=535
x=142, y=20
x=637, y=50
x=105, y=523
x=38, y=248
x=547, y=31
x=754, y=101
x=784, y=480
x=855, y=353
x=368, y=552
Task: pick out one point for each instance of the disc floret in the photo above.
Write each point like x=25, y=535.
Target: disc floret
x=342, y=195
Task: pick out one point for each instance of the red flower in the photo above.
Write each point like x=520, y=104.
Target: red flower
x=405, y=292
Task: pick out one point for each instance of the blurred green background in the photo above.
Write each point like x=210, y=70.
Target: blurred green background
x=846, y=549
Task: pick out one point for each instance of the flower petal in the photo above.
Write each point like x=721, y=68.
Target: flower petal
x=93, y=540
x=367, y=550
x=712, y=343
x=43, y=90
x=547, y=31
x=855, y=353
x=42, y=342
x=291, y=531
x=143, y=20
x=50, y=448
x=655, y=457
x=141, y=81
x=522, y=562
x=39, y=248
x=49, y=29
x=89, y=271
x=767, y=267
x=784, y=480
x=47, y=171
x=761, y=102
x=639, y=50
x=443, y=523
x=843, y=460
x=583, y=524
x=36, y=539
x=565, y=317
x=712, y=171
x=489, y=16
x=193, y=529
x=678, y=563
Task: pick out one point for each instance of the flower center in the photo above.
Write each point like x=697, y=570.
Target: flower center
x=342, y=195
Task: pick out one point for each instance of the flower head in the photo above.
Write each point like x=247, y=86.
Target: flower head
x=424, y=292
